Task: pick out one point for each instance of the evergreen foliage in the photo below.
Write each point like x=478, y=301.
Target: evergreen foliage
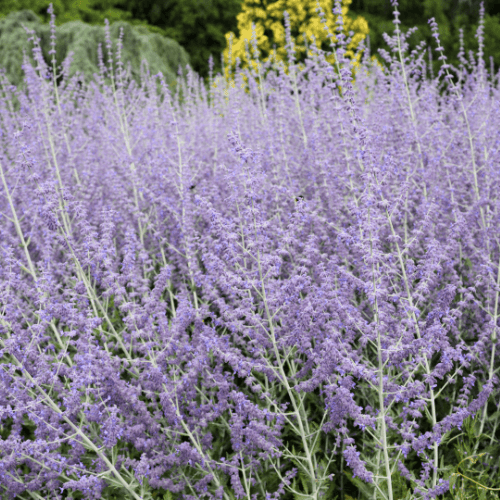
x=88, y=11
x=162, y=54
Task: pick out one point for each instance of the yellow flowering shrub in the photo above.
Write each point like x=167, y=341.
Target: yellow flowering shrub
x=268, y=18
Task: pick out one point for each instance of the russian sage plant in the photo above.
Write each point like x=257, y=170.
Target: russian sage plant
x=286, y=293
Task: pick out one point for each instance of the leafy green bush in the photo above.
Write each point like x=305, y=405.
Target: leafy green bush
x=162, y=54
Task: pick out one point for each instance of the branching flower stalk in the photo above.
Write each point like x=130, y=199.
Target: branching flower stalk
x=270, y=324
x=454, y=88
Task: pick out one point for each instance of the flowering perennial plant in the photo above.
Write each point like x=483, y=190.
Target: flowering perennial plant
x=295, y=295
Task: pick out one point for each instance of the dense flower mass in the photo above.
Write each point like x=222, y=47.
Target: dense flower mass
x=250, y=295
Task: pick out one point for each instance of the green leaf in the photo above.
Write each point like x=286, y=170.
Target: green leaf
x=453, y=480
x=366, y=489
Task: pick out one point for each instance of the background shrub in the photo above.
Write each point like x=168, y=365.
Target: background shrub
x=161, y=54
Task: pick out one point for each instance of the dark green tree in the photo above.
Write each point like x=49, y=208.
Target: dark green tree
x=197, y=25
x=451, y=16
x=161, y=53
x=88, y=11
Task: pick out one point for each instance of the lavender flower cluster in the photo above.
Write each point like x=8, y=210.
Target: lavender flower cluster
x=230, y=298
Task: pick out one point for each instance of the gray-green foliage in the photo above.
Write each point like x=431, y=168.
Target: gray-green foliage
x=161, y=53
